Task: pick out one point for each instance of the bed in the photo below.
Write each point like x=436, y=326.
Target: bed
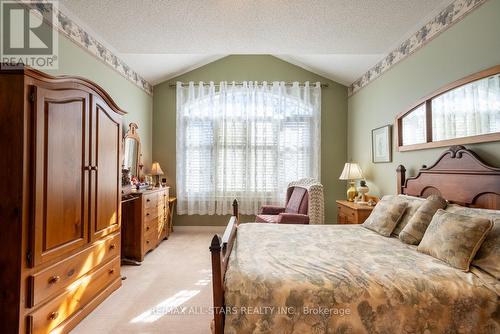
x=348, y=279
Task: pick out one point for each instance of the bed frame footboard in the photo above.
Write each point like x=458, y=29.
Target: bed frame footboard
x=220, y=249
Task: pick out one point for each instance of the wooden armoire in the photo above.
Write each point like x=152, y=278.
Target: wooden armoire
x=60, y=146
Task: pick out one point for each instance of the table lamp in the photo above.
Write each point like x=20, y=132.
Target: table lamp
x=156, y=172
x=351, y=172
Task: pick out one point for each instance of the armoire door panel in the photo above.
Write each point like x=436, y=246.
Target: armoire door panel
x=105, y=170
x=61, y=180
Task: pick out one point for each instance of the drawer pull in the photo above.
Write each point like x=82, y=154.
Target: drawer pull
x=112, y=246
x=54, y=279
x=147, y=241
x=111, y=271
x=147, y=228
x=147, y=214
x=53, y=315
x=148, y=200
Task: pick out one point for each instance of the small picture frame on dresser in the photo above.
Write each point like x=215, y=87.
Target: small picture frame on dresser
x=382, y=144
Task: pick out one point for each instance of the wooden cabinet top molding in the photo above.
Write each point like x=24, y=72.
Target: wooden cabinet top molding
x=65, y=81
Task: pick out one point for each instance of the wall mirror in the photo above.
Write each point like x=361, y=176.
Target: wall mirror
x=464, y=112
x=132, y=156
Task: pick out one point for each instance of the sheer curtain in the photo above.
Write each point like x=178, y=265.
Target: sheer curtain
x=473, y=109
x=244, y=141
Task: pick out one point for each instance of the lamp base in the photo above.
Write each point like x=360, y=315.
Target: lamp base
x=157, y=181
x=351, y=192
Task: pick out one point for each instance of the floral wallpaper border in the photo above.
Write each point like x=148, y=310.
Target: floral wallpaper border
x=452, y=14
x=86, y=41
x=445, y=19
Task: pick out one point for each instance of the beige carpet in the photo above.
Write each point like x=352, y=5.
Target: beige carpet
x=169, y=293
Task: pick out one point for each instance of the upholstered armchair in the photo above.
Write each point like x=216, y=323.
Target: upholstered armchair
x=304, y=205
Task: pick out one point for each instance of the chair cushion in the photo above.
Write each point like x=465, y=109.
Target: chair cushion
x=272, y=219
x=295, y=201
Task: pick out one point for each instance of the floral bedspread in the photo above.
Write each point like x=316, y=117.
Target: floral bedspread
x=347, y=279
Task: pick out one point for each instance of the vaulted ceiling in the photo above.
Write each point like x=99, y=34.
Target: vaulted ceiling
x=339, y=39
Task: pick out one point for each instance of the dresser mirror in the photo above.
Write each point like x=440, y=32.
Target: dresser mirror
x=132, y=151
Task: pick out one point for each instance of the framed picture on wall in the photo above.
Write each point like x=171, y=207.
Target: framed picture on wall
x=381, y=144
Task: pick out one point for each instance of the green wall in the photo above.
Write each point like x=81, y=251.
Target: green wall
x=258, y=68
x=74, y=60
x=469, y=46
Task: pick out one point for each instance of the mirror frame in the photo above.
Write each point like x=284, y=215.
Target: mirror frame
x=427, y=101
x=132, y=134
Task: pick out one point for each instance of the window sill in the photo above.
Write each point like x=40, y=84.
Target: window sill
x=450, y=142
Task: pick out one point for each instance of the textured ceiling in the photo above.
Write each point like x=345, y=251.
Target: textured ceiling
x=340, y=39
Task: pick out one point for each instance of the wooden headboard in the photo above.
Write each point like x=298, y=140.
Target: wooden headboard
x=459, y=175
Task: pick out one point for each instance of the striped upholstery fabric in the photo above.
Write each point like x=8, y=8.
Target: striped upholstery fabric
x=273, y=219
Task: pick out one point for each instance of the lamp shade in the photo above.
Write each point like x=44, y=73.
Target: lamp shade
x=351, y=171
x=156, y=169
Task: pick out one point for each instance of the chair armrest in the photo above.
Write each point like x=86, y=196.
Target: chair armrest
x=293, y=218
x=271, y=210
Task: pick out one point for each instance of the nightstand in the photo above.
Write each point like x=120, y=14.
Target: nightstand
x=352, y=213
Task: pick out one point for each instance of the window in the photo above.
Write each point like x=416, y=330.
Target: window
x=246, y=142
x=467, y=111
x=414, y=126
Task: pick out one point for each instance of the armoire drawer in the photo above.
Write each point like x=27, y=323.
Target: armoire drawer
x=53, y=313
x=54, y=279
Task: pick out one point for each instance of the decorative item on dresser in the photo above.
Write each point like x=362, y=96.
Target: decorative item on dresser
x=132, y=154
x=60, y=218
x=156, y=171
x=145, y=215
x=352, y=213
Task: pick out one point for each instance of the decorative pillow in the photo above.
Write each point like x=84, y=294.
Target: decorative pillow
x=385, y=215
x=454, y=239
x=413, y=203
x=413, y=232
x=488, y=255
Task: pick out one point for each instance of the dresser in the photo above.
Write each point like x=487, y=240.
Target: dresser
x=60, y=139
x=352, y=213
x=145, y=222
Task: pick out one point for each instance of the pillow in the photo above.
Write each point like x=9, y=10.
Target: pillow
x=488, y=256
x=385, y=215
x=413, y=232
x=413, y=203
x=454, y=239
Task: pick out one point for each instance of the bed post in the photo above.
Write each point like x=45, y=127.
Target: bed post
x=215, y=250
x=220, y=249
x=401, y=178
x=235, y=210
